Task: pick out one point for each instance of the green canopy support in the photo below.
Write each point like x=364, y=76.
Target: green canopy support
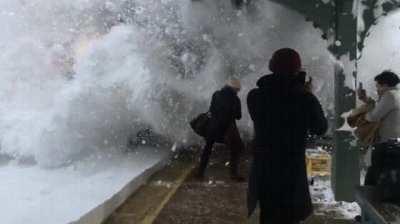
x=345, y=161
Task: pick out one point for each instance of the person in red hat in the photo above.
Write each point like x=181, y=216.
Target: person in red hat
x=284, y=112
x=285, y=61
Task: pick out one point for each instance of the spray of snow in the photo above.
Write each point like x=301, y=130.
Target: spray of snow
x=381, y=51
x=79, y=77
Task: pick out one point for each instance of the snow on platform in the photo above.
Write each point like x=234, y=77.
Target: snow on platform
x=325, y=204
x=86, y=192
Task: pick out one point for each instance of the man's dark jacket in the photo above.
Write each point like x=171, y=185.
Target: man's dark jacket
x=225, y=108
x=284, y=113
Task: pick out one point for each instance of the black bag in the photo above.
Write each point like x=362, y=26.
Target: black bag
x=200, y=124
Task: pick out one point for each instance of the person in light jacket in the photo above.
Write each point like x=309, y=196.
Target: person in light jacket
x=386, y=111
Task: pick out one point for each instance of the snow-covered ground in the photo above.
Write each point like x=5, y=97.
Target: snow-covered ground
x=321, y=191
x=325, y=204
x=30, y=194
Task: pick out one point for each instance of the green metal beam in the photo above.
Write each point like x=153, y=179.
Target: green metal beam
x=345, y=163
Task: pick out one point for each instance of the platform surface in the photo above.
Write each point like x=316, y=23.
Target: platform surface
x=74, y=194
x=175, y=196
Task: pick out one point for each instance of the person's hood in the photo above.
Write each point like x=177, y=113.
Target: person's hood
x=271, y=79
x=265, y=81
x=275, y=81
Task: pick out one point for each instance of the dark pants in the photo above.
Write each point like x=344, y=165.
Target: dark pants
x=278, y=219
x=385, y=157
x=233, y=141
x=375, y=170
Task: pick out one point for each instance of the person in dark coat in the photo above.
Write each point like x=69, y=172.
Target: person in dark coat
x=225, y=109
x=284, y=113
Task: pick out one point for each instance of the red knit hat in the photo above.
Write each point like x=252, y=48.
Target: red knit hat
x=285, y=61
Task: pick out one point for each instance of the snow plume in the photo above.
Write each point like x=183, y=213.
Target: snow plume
x=382, y=49
x=79, y=77
x=247, y=38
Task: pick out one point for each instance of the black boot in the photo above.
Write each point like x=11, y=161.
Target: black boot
x=205, y=157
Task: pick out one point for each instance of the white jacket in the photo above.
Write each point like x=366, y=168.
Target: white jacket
x=387, y=111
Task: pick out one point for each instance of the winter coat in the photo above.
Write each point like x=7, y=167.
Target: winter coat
x=225, y=108
x=387, y=111
x=284, y=113
x=366, y=131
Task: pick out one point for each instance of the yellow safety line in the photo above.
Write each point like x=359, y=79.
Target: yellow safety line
x=149, y=219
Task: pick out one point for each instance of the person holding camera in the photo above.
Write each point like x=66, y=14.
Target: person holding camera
x=387, y=109
x=284, y=112
x=386, y=113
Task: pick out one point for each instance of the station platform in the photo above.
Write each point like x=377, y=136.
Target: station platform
x=175, y=196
